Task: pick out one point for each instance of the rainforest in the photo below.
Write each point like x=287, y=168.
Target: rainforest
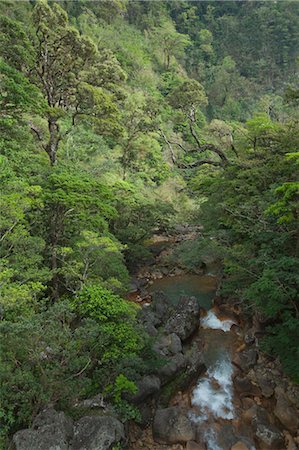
x=149, y=273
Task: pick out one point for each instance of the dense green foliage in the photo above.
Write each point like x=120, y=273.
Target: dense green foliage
x=119, y=119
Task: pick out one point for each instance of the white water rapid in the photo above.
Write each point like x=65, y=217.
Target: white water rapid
x=213, y=394
x=212, y=321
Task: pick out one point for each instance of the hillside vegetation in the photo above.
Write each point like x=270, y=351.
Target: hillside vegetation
x=123, y=118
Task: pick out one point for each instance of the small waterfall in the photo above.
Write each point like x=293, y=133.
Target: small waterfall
x=213, y=394
x=212, y=321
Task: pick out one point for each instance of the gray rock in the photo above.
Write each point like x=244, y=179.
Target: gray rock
x=150, y=329
x=195, y=365
x=285, y=412
x=161, y=306
x=268, y=435
x=266, y=384
x=186, y=318
x=249, y=339
x=51, y=430
x=148, y=385
x=248, y=359
x=149, y=320
x=171, y=426
x=97, y=433
x=168, y=345
x=92, y=403
x=172, y=367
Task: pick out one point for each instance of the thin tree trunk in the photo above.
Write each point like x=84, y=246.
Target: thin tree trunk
x=53, y=142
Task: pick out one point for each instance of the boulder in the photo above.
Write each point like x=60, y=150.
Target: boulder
x=148, y=385
x=97, y=433
x=162, y=307
x=173, y=366
x=245, y=387
x=146, y=415
x=248, y=359
x=195, y=365
x=226, y=436
x=171, y=426
x=51, y=430
x=265, y=383
x=285, y=412
x=267, y=434
x=185, y=319
x=168, y=345
x=149, y=320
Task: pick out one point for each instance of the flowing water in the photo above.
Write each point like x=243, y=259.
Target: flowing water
x=212, y=399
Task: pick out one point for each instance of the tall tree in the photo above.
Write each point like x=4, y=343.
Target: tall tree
x=76, y=80
x=187, y=98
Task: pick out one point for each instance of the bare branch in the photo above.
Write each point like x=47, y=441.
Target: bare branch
x=169, y=143
x=38, y=133
x=200, y=162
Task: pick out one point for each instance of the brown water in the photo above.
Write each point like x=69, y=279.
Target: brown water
x=203, y=287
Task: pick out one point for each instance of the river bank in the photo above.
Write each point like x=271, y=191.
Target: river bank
x=241, y=399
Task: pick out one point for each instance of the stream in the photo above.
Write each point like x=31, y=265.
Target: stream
x=243, y=400
x=212, y=398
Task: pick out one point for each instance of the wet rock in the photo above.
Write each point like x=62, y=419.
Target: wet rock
x=97, y=433
x=285, y=412
x=168, y=345
x=226, y=436
x=50, y=430
x=171, y=426
x=148, y=385
x=195, y=365
x=240, y=446
x=185, y=320
x=268, y=435
x=192, y=445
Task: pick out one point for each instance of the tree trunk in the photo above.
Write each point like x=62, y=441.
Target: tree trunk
x=52, y=145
